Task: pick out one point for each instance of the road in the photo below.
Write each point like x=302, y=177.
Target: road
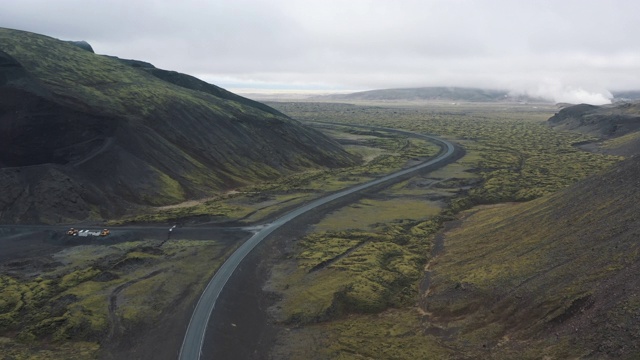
x=194, y=336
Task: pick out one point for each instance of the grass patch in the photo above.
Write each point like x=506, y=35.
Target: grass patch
x=365, y=272
x=393, y=334
x=368, y=213
x=70, y=304
x=620, y=141
x=355, y=271
x=382, y=153
x=517, y=156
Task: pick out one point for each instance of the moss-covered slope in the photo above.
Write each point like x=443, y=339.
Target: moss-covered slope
x=552, y=278
x=115, y=136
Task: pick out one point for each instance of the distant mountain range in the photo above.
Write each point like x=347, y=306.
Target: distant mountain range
x=451, y=94
x=86, y=136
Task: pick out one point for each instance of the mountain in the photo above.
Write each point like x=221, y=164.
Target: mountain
x=553, y=278
x=454, y=94
x=86, y=136
x=619, y=121
x=607, y=120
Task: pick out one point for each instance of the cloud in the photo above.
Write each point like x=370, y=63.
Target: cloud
x=363, y=44
x=553, y=89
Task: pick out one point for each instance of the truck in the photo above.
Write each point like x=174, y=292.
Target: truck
x=85, y=233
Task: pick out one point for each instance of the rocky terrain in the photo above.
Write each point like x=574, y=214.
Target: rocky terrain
x=550, y=278
x=87, y=137
x=555, y=277
x=618, y=124
x=608, y=120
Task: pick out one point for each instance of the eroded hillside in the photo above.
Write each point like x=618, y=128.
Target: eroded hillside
x=86, y=136
x=554, y=277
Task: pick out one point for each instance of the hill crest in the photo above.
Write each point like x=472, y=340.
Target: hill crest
x=115, y=137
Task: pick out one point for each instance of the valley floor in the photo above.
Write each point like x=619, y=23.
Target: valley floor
x=366, y=279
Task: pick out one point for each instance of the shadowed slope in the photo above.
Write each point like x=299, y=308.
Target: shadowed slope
x=125, y=135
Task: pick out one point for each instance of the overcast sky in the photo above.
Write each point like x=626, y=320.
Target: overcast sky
x=574, y=51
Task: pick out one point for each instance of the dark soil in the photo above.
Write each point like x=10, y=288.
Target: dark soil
x=240, y=327
x=28, y=250
x=583, y=292
x=68, y=150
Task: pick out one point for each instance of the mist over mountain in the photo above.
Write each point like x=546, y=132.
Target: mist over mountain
x=630, y=95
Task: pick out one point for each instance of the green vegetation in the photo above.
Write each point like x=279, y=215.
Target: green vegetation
x=517, y=156
x=215, y=208
x=348, y=289
x=358, y=270
x=138, y=136
x=382, y=153
x=351, y=292
x=375, y=212
x=540, y=275
x=393, y=334
x=621, y=141
x=66, y=312
x=104, y=82
x=336, y=273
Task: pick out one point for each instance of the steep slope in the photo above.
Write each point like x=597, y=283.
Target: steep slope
x=555, y=277
x=433, y=94
x=114, y=136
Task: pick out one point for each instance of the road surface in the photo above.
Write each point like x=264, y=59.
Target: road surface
x=194, y=336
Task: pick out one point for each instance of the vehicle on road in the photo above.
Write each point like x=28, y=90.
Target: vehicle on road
x=84, y=233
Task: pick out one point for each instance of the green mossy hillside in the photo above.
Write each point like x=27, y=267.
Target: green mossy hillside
x=129, y=136
x=558, y=273
x=511, y=285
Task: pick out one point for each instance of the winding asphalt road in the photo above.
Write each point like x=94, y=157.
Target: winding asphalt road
x=194, y=337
